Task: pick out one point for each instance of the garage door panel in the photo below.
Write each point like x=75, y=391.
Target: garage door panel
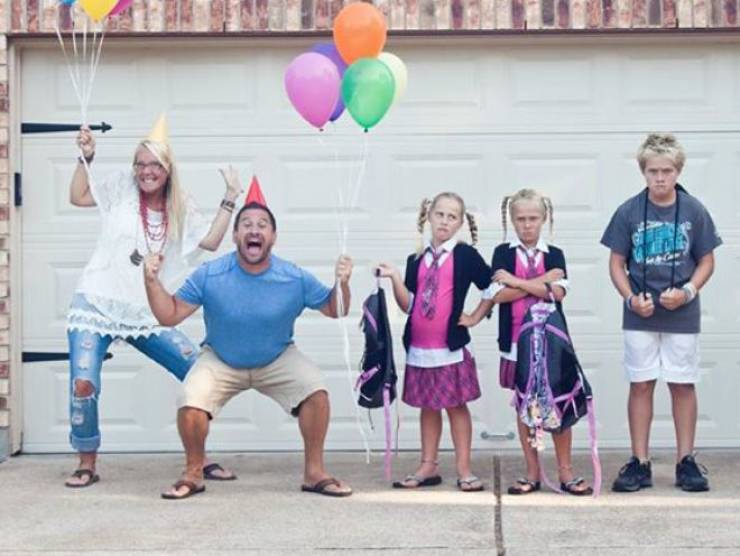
x=478, y=120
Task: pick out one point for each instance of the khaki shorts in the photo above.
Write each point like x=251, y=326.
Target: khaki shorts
x=288, y=380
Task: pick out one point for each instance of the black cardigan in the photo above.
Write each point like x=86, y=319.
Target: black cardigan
x=504, y=257
x=469, y=268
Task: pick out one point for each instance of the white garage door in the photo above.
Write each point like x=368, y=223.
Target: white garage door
x=480, y=118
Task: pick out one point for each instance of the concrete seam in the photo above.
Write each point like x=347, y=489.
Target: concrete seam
x=498, y=526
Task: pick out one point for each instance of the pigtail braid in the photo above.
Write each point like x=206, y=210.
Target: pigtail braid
x=504, y=211
x=473, y=225
x=549, y=212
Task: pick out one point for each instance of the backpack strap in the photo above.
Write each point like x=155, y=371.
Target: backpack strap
x=387, y=416
x=595, y=460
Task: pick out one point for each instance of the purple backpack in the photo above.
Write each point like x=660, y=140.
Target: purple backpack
x=551, y=392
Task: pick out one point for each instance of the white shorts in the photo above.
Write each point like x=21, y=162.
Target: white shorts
x=653, y=355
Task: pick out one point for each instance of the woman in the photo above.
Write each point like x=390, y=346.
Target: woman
x=143, y=211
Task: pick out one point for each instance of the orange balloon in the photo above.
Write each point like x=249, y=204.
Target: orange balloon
x=359, y=31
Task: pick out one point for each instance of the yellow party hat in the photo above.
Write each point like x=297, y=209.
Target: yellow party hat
x=160, y=133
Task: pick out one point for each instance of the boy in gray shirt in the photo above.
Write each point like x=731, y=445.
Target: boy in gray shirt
x=662, y=242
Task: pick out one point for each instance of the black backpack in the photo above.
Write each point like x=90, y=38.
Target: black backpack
x=377, y=382
x=551, y=392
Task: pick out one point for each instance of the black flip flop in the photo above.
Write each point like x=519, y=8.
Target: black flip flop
x=568, y=487
x=79, y=474
x=193, y=489
x=519, y=489
x=208, y=473
x=320, y=488
x=431, y=481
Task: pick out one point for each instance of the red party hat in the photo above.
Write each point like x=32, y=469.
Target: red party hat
x=254, y=195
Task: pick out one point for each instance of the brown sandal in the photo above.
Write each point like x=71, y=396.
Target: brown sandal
x=320, y=488
x=92, y=478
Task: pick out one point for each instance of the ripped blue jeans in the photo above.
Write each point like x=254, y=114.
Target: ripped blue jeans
x=171, y=349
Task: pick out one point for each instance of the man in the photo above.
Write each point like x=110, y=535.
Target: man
x=251, y=299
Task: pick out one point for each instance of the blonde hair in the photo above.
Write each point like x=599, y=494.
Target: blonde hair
x=661, y=144
x=507, y=205
x=173, y=190
x=427, y=206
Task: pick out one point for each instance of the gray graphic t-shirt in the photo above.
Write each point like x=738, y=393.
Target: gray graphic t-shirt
x=651, y=254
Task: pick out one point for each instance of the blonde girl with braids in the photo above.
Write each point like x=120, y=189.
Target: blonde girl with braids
x=526, y=270
x=440, y=368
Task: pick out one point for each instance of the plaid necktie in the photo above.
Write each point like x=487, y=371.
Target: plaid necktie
x=431, y=285
x=531, y=273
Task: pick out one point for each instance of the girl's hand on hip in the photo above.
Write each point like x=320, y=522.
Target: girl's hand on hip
x=467, y=321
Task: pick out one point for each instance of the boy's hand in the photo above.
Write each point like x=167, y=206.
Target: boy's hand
x=643, y=305
x=506, y=278
x=673, y=298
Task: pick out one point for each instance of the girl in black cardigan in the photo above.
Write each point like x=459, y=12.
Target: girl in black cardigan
x=527, y=270
x=440, y=370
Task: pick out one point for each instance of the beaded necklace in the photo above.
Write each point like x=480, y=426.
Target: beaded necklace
x=153, y=233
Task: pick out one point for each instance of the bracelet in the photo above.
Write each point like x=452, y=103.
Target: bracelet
x=628, y=301
x=228, y=205
x=690, y=290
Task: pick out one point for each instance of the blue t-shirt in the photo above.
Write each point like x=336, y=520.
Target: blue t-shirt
x=249, y=317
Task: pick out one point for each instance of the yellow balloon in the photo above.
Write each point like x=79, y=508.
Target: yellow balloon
x=398, y=69
x=98, y=9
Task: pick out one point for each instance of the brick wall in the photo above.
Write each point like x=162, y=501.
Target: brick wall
x=19, y=17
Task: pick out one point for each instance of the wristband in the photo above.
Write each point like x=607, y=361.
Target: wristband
x=628, y=301
x=228, y=205
x=690, y=290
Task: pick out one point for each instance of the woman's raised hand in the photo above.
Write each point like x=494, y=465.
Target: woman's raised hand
x=233, y=185
x=86, y=142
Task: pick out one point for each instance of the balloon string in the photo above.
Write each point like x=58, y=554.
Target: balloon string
x=340, y=213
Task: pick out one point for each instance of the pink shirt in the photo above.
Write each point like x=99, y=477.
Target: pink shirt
x=520, y=307
x=432, y=333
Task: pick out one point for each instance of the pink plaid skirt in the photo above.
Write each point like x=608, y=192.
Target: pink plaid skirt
x=442, y=387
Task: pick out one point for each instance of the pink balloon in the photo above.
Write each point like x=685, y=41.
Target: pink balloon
x=312, y=82
x=120, y=6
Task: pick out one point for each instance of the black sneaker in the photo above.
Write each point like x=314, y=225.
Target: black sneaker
x=691, y=476
x=633, y=476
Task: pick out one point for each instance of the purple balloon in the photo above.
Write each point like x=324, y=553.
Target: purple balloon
x=312, y=83
x=329, y=50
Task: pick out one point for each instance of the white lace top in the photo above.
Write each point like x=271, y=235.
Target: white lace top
x=110, y=297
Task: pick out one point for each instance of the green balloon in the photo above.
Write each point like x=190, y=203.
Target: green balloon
x=367, y=91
